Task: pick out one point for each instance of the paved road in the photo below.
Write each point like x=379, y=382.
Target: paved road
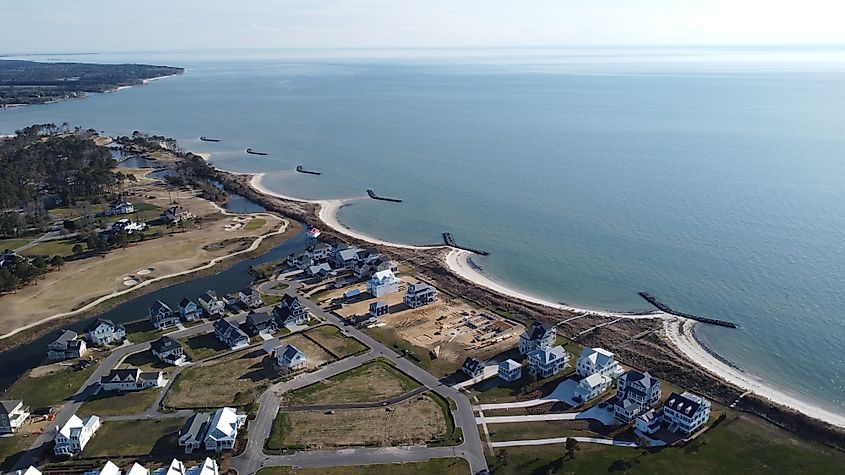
x=253, y=457
x=562, y=440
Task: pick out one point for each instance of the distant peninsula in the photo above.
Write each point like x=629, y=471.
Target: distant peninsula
x=29, y=82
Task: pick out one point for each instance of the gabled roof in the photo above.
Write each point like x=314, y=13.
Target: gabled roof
x=158, y=306
x=258, y=318
x=229, y=330
x=6, y=407
x=419, y=287
x=537, y=331
x=594, y=380
x=100, y=321
x=32, y=471
x=195, y=426
x=599, y=357
x=224, y=424
x=473, y=365
x=208, y=467
x=128, y=375
x=509, y=365
x=176, y=467
x=138, y=469
x=291, y=352
x=686, y=403
x=164, y=344
x=71, y=423
x=208, y=295
x=383, y=277
x=645, y=379
x=289, y=301
x=185, y=302
x=248, y=291
x=110, y=469
x=548, y=355
x=65, y=337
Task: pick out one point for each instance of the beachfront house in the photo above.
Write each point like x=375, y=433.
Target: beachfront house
x=290, y=359
x=162, y=316
x=104, y=332
x=250, y=298
x=649, y=422
x=230, y=335
x=176, y=214
x=473, y=367
x=168, y=350
x=223, y=429
x=72, y=437
x=510, y=370
x=591, y=387
x=545, y=362
x=383, y=283
x=260, y=323
x=13, y=414
x=320, y=252
x=636, y=392
x=537, y=336
x=300, y=260
x=131, y=379
x=597, y=360
x=420, y=294
x=378, y=309
x=189, y=310
x=346, y=256
x=291, y=311
x=213, y=306
x=685, y=412
x=67, y=346
x=119, y=207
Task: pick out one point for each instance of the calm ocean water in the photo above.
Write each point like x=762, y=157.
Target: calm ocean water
x=716, y=180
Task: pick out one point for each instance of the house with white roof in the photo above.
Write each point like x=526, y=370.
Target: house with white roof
x=138, y=469
x=108, y=469
x=223, y=429
x=420, y=294
x=67, y=346
x=537, y=336
x=591, y=387
x=545, y=362
x=510, y=370
x=162, y=316
x=213, y=306
x=104, y=332
x=13, y=414
x=189, y=310
x=290, y=359
x=320, y=271
x=685, y=412
x=383, y=283
x=597, y=360
x=29, y=471
x=230, y=334
x=127, y=225
x=636, y=392
x=119, y=207
x=177, y=467
x=72, y=437
x=649, y=422
x=131, y=379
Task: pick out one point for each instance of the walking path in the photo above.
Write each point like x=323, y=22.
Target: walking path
x=595, y=413
x=562, y=393
x=490, y=371
x=562, y=440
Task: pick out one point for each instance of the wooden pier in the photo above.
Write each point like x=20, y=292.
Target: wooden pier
x=671, y=311
x=450, y=241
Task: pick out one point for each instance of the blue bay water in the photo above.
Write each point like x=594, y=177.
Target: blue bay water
x=717, y=184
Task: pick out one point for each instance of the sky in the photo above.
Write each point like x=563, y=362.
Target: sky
x=57, y=26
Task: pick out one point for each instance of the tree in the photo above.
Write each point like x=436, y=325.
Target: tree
x=57, y=262
x=571, y=446
x=122, y=239
x=77, y=249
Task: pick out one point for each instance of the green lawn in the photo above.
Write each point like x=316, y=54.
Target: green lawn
x=11, y=448
x=329, y=336
x=136, y=438
x=141, y=331
x=737, y=446
x=254, y=224
x=374, y=381
x=13, y=243
x=59, y=247
x=271, y=299
x=416, y=354
x=202, y=346
x=536, y=430
x=49, y=390
x=447, y=466
x=118, y=404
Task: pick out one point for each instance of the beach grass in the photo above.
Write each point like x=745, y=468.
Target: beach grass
x=445, y=466
x=11, y=448
x=136, y=438
x=118, y=404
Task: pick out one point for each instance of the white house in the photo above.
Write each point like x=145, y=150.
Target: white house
x=591, y=387
x=162, y=316
x=419, y=294
x=597, y=360
x=67, y=346
x=176, y=214
x=119, y=207
x=320, y=252
x=320, y=271
x=72, y=437
x=138, y=469
x=649, y=421
x=250, y=298
x=223, y=429
x=685, y=412
x=230, y=335
x=29, y=471
x=189, y=310
x=176, y=467
x=537, y=336
x=545, y=362
x=103, y=332
x=290, y=359
x=383, y=283
x=13, y=414
x=300, y=260
x=127, y=225
x=108, y=469
x=192, y=434
x=510, y=370
x=212, y=305
x=636, y=392
x=473, y=367
x=131, y=379
x=346, y=256
x=168, y=350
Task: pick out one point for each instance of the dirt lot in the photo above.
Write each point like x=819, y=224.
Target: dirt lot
x=329, y=336
x=82, y=281
x=450, y=327
x=414, y=421
x=374, y=381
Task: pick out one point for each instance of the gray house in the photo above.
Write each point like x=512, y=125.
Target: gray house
x=67, y=346
x=162, y=316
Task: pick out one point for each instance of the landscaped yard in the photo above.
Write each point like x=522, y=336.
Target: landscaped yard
x=11, y=448
x=141, y=331
x=119, y=403
x=330, y=337
x=414, y=421
x=374, y=381
x=145, y=360
x=233, y=380
x=51, y=389
x=13, y=243
x=450, y=466
x=737, y=446
x=136, y=438
x=202, y=346
x=58, y=247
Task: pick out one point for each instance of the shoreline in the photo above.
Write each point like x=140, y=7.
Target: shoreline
x=677, y=331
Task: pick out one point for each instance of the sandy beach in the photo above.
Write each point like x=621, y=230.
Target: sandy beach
x=678, y=331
